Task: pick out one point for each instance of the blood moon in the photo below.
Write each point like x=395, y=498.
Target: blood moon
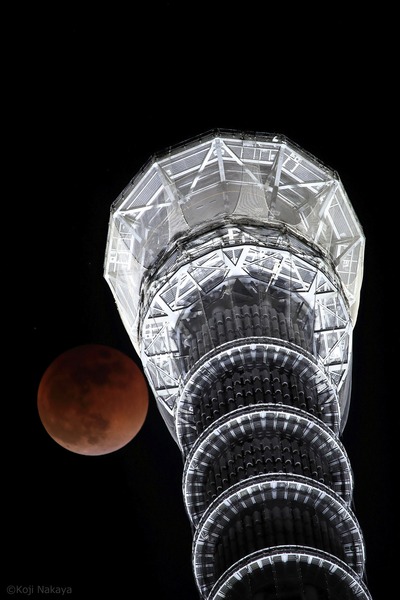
x=93, y=399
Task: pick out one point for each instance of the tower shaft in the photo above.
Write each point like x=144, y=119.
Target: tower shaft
x=236, y=263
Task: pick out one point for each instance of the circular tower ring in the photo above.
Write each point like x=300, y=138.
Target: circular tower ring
x=254, y=422
x=263, y=565
x=259, y=492
x=254, y=352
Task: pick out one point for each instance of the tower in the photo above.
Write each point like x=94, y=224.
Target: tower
x=236, y=264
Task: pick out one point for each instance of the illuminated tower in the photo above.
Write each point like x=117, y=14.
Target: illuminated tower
x=236, y=264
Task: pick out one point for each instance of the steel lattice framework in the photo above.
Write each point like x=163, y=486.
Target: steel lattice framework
x=236, y=262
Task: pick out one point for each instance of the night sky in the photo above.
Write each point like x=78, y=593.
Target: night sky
x=90, y=99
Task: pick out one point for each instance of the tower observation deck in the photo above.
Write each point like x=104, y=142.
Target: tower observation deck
x=236, y=262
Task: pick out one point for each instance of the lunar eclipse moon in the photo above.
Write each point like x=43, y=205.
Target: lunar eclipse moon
x=92, y=399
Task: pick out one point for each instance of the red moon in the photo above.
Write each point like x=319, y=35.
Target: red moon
x=93, y=399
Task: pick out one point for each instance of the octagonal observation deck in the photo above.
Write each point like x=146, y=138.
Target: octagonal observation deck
x=223, y=206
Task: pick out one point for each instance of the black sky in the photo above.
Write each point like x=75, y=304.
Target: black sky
x=89, y=99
